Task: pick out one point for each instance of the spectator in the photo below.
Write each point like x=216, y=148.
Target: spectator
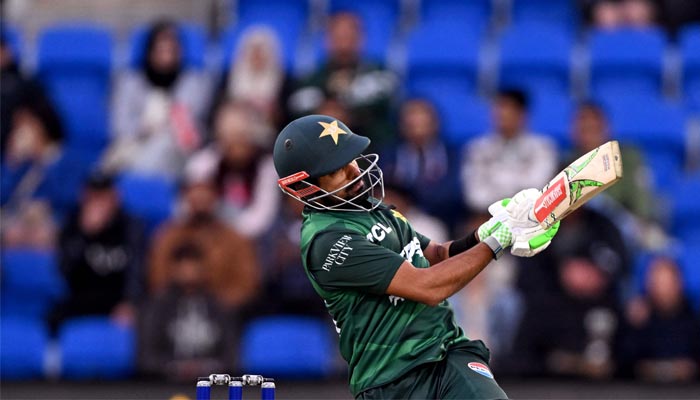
x=590, y=130
x=503, y=162
x=232, y=274
x=184, y=331
x=422, y=161
x=611, y=14
x=257, y=76
x=286, y=289
x=365, y=88
x=15, y=88
x=32, y=173
x=632, y=207
x=242, y=169
x=101, y=254
x=158, y=110
x=575, y=285
x=662, y=342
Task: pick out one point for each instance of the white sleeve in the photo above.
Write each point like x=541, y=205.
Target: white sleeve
x=259, y=215
x=476, y=175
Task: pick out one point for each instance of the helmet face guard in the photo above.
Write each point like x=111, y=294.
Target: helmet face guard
x=298, y=187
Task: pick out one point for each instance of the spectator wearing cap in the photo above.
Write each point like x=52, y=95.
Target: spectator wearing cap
x=158, y=110
x=500, y=163
x=184, y=331
x=31, y=175
x=422, y=161
x=241, y=167
x=571, y=322
x=232, y=272
x=661, y=342
x=363, y=86
x=101, y=255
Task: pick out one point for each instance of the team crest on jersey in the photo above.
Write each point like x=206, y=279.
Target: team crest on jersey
x=480, y=369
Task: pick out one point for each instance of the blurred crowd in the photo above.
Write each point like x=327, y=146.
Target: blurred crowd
x=607, y=299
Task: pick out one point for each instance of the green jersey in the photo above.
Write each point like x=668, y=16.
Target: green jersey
x=350, y=258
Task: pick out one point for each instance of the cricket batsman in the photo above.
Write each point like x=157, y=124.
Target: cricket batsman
x=384, y=284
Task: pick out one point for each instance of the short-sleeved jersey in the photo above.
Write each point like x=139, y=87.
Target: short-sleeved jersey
x=350, y=258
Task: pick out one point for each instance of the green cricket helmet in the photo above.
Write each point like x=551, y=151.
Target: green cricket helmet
x=317, y=145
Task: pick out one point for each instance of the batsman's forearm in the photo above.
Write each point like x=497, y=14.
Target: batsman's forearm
x=433, y=285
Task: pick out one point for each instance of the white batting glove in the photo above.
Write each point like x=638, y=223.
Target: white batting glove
x=529, y=238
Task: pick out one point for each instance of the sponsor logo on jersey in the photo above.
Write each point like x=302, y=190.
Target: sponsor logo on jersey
x=411, y=249
x=378, y=232
x=338, y=253
x=395, y=300
x=480, y=369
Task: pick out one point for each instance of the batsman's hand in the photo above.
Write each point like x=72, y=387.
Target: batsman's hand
x=529, y=238
x=497, y=226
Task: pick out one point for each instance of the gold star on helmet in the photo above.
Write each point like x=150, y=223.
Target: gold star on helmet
x=332, y=130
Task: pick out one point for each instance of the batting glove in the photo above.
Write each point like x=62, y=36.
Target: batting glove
x=497, y=226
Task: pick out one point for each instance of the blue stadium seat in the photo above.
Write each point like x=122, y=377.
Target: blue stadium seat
x=627, y=62
x=74, y=63
x=150, y=198
x=690, y=52
x=656, y=127
x=561, y=13
x=287, y=347
x=96, y=348
x=685, y=217
x=536, y=58
x=551, y=114
x=23, y=343
x=13, y=38
x=689, y=262
x=31, y=283
x=473, y=14
x=463, y=115
x=193, y=38
x=442, y=56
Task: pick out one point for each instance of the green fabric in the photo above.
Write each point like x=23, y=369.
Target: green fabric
x=350, y=258
x=451, y=378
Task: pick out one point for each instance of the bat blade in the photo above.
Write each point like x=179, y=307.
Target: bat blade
x=583, y=179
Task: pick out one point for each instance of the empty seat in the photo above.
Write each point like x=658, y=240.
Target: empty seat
x=13, y=39
x=626, y=62
x=287, y=347
x=74, y=63
x=442, y=56
x=473, y=14
x=551, y=115
x=96, y=348
x=535, y=58
x=689, y=262
x=690, y=53
x=31, y=283
x=685, y=216
x=192, y=37
x=150, y=198
x=561, y=13
x=23, y=343
x=656, y=127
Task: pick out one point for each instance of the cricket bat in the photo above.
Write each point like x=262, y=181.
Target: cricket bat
x=583, y=179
